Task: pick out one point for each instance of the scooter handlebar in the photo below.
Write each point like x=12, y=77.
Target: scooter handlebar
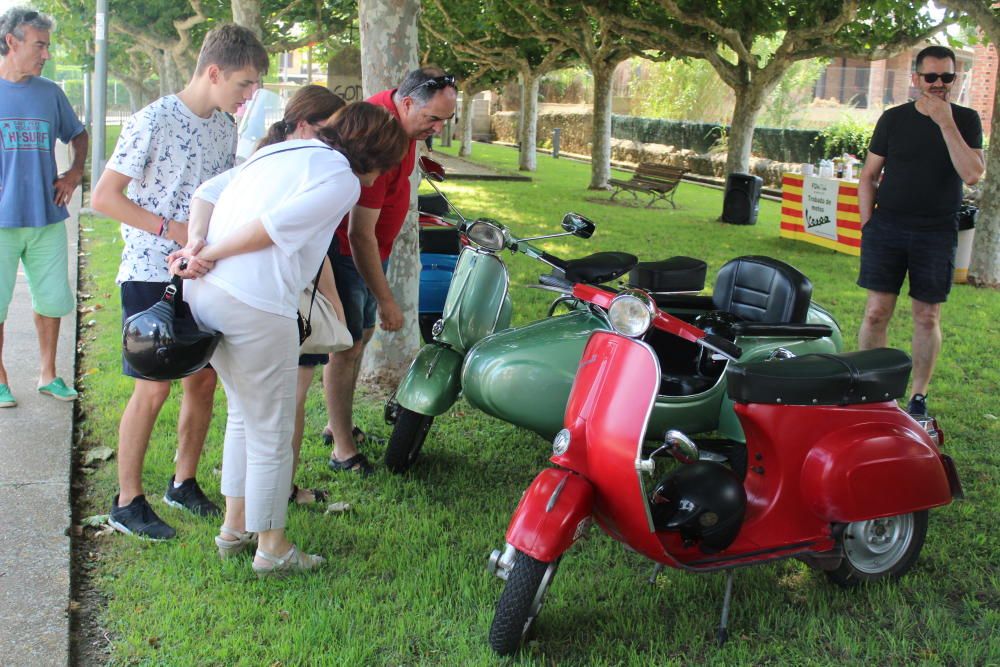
x=722, y=346
x=550, y=280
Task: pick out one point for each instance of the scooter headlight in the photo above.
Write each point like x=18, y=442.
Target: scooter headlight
x=631, y=312
x=486, y=234
x=560, y=444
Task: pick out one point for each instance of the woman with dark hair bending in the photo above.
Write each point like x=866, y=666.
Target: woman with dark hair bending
x=269, y=232
x=309, y=109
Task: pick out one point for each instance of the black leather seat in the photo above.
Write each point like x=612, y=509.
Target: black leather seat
x=599, y=267
x=870, y=376
x=762, y=289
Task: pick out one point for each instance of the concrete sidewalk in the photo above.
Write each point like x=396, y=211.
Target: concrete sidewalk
x=36, y=442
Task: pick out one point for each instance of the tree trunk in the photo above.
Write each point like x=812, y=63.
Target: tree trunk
x=247, y=14
x=600, y=150
x=388, y=51
x=527, y=131
x=984, y=269
x=465, y=123
x=749, y=99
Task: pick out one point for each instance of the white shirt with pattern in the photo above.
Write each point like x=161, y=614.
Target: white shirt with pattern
x=167, y=151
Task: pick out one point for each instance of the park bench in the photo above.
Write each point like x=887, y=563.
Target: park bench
x=658, y=180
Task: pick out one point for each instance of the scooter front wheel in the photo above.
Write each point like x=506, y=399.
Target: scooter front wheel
x=879, y=548
x=520, y=602
x=407, y=439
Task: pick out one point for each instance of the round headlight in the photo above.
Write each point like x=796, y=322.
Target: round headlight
x=560, y=443
x=486, y=234
x=631, y=313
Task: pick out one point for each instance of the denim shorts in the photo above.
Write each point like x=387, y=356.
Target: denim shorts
x=890, y=250
x=43, y=252
x=359, y=302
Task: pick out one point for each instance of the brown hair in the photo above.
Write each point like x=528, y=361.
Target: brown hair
x=232, y=48
x=312, y=104
x=368, y=136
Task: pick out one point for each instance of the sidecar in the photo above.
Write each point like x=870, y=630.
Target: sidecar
x=764, y=305
x=440, y=244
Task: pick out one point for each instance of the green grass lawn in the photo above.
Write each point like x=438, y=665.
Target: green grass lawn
x=406, y=582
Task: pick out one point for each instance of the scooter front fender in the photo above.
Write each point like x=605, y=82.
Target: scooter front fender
x=553, y=514
x=433, y=382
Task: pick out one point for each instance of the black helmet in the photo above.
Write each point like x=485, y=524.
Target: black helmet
x=164, y=342
x=704, y=501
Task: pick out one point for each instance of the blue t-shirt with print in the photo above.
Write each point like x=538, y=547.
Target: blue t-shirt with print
x=33, y=114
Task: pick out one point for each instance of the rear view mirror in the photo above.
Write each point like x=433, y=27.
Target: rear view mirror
x=431, y=169
x=576, y=224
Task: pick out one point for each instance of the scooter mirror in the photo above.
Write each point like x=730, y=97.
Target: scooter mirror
x=681, y=446
x=576, y=224
x=432, y=169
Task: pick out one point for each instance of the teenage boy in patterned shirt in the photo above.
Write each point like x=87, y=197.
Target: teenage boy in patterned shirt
x=164, y=153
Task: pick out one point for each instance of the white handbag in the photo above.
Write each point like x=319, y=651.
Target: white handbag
x=320, y=331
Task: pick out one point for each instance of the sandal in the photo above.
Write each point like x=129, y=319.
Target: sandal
x=357, y=463
x=360, y=437
x=292, y=562
x=235, y=546
x=319, y=496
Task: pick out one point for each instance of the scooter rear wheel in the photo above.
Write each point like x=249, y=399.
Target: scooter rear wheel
x=407, y=439
x=879, y=548
x=520, y=602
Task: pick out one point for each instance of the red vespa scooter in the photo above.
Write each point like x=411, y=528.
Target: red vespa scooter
x=833, y=472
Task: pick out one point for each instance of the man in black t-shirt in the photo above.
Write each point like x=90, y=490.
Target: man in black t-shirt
x=926, y=149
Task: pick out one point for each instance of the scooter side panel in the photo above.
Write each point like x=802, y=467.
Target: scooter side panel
x=475, y=301
x=524, y=375
x=873, y=470
x=553, y=513
x=431, y=385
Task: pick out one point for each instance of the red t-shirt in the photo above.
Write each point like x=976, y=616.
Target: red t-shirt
x=390, y=193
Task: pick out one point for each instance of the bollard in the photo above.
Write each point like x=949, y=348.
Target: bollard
x=555, y=142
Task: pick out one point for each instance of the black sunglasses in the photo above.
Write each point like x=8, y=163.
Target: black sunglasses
x=437, y=83
x=932, y=77
x=28, y=17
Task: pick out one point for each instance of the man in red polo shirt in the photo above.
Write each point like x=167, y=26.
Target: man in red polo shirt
x=360, y=253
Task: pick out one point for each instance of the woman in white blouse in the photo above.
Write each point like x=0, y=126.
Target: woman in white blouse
x=268, y=235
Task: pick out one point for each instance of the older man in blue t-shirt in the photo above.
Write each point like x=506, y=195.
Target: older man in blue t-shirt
x=34, y=112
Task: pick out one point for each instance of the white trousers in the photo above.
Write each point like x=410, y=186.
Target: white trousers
x=257, y=361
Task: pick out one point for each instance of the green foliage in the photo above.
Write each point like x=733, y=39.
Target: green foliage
x=405, y=581
x=570, y=85
x=793, y=92
x=683, y=90
x=847, y=135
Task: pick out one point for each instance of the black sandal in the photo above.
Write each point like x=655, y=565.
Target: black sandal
x=319, y=496
x=357, y=463
x=360, y=437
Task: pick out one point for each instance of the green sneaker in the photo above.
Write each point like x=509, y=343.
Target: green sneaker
x=6, y=397
x=57, y=389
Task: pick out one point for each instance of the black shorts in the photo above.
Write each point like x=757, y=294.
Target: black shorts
x=890, y=250
x=136, y=297
x=313, y=360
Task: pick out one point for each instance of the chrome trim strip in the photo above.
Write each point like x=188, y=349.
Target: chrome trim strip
x=555, y=494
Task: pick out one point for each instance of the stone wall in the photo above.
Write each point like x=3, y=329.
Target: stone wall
x=575, y=138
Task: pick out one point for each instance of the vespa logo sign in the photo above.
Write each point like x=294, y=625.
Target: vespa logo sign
x=819, y=206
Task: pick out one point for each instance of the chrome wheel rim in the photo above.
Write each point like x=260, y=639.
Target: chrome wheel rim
x=876, y=545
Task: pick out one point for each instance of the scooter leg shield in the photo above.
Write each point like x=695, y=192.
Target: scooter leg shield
x=553, y=513
x=432, y=383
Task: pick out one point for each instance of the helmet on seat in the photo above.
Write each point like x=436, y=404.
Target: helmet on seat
x=163, y=342
x=704, y=501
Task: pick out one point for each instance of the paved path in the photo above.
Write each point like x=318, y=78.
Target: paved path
x=35, y=443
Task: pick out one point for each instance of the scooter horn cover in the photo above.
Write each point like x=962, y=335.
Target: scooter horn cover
x=163, y=342
x=704, y=500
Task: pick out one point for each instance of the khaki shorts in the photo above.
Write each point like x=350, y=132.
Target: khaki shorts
x=43, y=252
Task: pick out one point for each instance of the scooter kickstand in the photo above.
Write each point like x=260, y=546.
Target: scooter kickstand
x=722, y=634
x=656, y=572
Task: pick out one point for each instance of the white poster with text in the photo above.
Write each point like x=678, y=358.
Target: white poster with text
x=819, y=206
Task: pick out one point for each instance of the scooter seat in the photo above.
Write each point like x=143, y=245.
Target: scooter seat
x=599, y=267
x=871, y=376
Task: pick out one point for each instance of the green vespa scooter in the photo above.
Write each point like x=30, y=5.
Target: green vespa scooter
x=523, y=375
x=477, y=305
